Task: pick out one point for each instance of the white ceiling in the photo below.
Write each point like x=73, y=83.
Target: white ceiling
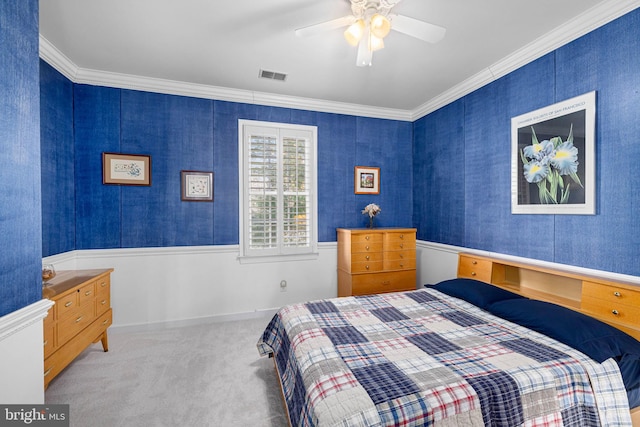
x=216, y=48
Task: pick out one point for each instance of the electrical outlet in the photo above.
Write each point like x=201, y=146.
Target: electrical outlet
x=283, y=286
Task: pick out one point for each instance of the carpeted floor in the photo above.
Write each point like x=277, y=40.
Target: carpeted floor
x=207, y=374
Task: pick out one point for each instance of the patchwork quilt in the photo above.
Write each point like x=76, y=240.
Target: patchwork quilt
x=422, y=358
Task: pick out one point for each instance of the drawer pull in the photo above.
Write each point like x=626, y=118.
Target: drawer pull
x=103, y=284
x=615, y=312
x=401, y=256
x=79, y=319
x=386, y=283
x=367, y=267
x=87, y=293
x=366, y=237
x=616, y=294
x=48, y=371
x=105, y=322
x=473, y=273
x=367, y=257
x=401, y=265
x=474, y=262
x=402, y=245
x=103, y=302
x=366, y=247
x=402, y=236
x=68, y=304
x=44, y=344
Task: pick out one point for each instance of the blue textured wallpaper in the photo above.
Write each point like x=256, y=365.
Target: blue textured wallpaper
x=477, y=151
x=183, y=133
x=20, y=208
x=57, y=158
x=96, y=118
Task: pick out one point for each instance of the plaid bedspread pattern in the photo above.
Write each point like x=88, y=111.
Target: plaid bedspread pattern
x=421, y=358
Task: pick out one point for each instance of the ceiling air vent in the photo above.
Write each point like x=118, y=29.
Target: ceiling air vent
x=272, y=75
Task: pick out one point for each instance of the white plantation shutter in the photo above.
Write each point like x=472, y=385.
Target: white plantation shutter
x=277, y=181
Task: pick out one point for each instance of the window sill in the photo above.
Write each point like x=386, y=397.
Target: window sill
x=278, y=258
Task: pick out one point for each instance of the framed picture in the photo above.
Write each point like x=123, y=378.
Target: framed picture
x=367, y=180
x=197, y=186
x=126, y=169
x=553, y=158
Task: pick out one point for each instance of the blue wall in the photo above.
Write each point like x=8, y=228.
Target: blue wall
x=182, y=133
x=20, y=216
x=462, y=155
x=57, y=157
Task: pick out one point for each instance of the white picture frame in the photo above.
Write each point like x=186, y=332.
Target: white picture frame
x=553, y=159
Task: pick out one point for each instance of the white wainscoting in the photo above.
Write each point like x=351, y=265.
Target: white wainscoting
x=191, y=284
x=22, y=354
x=159, y=286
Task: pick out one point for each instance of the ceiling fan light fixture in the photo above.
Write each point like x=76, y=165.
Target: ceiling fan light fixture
x=375, y=43
x=353, y=34
x=380, y=25
x=365, y=54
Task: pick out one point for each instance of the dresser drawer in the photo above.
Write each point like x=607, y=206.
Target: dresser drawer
x=397, y=241
x=366, y=257
x=48, y=342
x=400, y=264
x=87, y=294
x=374, y=283
x=69, y=327
x=364, y=267
x=367, y=247
x=611, y=311
x=66, y=305
x=103, y=303
x=610, y=293
x=102, y=285
x=358, y=238
x=474, y=268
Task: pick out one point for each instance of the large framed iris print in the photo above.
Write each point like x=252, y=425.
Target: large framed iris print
x=553, y=158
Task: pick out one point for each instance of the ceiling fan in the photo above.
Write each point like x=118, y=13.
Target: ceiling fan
x=369, y=24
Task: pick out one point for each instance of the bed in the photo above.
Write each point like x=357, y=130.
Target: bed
x=462, y=352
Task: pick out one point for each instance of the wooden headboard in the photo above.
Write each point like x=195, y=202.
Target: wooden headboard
x=615, y=303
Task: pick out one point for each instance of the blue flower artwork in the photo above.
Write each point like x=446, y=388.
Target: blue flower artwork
x=552, y=162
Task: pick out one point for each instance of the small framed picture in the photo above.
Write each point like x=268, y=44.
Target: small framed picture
x=367, y=180
x=126, y=169
x=197, y=186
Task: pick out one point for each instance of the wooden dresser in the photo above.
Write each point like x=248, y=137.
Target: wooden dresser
x=376, y=260
x=79, y=317
x=613, y=302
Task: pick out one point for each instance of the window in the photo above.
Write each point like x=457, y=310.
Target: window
x=278, y=202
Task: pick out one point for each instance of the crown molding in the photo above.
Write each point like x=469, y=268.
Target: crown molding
x=588, y=21
x=55, y=58
x=575, y=28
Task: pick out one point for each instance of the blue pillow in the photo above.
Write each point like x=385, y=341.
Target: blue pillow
x=590, y=336
x=475, y=292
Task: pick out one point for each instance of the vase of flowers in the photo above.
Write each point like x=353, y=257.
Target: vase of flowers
x=371, y=210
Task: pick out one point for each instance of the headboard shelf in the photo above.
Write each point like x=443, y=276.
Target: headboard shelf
x=615, y=303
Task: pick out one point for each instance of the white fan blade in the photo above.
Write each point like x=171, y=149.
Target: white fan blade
x=365, y=55
x=415, y=28
x=325, y=26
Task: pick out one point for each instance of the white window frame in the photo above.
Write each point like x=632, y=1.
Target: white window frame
x=283, y=254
